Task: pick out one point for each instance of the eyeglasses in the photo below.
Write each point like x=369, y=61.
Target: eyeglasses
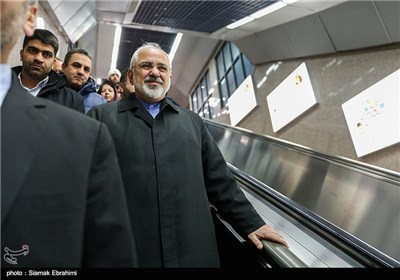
x=147, y=65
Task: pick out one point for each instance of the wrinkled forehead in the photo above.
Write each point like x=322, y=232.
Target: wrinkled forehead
x=153, y=55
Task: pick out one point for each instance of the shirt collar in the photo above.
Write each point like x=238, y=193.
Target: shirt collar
x=35, y=90
x=152, y=108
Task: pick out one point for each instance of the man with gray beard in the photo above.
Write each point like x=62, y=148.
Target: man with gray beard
x=172, y=170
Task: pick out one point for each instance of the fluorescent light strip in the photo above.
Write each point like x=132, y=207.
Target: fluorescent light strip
x=117, y=38
x=175, y=46
x=270, y=9
x=240, y=22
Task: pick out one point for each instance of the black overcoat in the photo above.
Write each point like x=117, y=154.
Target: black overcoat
x=172, y=169
x=62, y=195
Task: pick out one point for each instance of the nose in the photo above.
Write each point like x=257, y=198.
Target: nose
x=39, y=57
x=155, y=72
x=80, y=71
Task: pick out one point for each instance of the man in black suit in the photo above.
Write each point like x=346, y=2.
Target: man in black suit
x=62, y=198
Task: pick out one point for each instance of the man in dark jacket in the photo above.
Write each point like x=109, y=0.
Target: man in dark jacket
x=62, y=200
x=38, y=55
x=76, y=72
x=172, y=169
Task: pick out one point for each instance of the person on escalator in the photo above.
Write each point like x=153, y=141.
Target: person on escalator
x=172, y=169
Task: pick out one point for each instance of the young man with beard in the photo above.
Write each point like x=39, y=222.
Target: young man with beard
x=172, y=169
x=38, y=55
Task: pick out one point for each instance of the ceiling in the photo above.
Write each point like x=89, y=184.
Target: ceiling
x=159, y=21
x=200, y=16
x=299, y=29
x=91, y=25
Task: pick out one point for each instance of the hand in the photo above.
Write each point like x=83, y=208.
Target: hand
x=266, y=232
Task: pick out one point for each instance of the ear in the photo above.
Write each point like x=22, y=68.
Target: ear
x=30, y=21
x=20, y=54
x=130, y=76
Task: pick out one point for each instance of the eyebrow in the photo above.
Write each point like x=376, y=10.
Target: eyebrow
x=30, y=47
x=79, y=65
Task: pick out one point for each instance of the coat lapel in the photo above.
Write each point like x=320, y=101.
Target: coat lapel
x=22, y=127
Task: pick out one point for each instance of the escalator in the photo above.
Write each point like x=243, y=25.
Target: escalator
x=333, y=212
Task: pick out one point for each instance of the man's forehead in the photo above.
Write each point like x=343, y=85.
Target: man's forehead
x=153, y=55
x=40, y=45
x=82, y=59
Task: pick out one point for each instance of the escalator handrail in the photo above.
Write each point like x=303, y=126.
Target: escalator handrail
x=282, y=255
x=371, y=170
x=351, y=245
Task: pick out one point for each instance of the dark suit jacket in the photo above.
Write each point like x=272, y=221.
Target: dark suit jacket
x=62, y=198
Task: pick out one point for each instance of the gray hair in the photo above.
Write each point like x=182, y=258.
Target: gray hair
x=147, y=45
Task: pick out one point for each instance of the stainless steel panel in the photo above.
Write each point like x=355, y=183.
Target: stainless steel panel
x=313, y=250
x=361, y=200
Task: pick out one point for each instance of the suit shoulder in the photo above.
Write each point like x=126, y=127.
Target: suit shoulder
x=59, y=113
x=103, y=110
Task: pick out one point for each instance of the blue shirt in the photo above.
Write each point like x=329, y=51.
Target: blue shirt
x=152, y=108
x=5, y=81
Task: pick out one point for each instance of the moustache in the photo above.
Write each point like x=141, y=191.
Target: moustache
x=36, y=65
x=78, y=77
x=154, y=79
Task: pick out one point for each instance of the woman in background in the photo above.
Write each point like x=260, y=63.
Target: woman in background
x=108, y=91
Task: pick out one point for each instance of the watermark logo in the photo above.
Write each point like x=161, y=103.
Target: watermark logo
x=10, y=255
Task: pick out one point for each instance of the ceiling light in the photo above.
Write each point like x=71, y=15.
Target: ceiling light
x=174, y=47
x=268, y=10
x=272, y=8
x=114, y=56
x=240, y=22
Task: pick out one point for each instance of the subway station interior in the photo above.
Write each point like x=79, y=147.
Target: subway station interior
x=302, y=98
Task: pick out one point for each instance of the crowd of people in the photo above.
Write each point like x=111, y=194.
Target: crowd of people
x=125, y=179
x=67, y=82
